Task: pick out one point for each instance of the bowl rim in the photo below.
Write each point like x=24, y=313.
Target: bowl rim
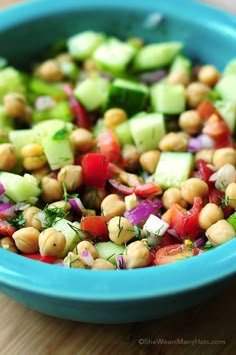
x=23, y=274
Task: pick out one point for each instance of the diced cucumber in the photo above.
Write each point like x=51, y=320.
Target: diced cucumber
x=147, y=131
x=11, y=80
x=40, y=87
x=20, y=188
x=99, y=127
x=157, y=55
x=227, y=109
x=226, y=87
x=69, y=70
x=92, y=92
x=61, y=111
x=128, y=95
x=52, y=126
x=181, y=64
x=109, y=251
x=230, y=67
x=122, y=131
x=232, y=220
x=81, y=46
x=69, y=230
x=173, y=168
x=58, y=150
x=6, y=125
x=21, y=137
x=114, y=55
x=168, y=99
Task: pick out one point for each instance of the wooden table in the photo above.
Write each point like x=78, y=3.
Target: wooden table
x=26, y=332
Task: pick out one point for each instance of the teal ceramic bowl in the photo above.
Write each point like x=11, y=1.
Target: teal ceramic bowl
x=117, y=296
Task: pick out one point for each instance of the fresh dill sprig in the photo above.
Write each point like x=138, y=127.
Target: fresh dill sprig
x=17, y=222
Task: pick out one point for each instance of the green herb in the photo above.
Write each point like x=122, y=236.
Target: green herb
x=120, y=227
x=52, y=214
x=61, y=134
x=66, y=195
x=207, y=246
x=17, y=222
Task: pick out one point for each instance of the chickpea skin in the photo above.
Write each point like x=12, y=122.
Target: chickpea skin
x=224, y=156
x=8, y=243
x=50, y=71
x=113, y=117
x=15, y=105
x=174, y=142
x=86, y=245
x=178, y=77
x=82, y=140
x=171, y=196
x=33, y=156
x=31, y=216
x=8, y=156
x=193, y=187
x=209, y=214
x=112, y=206
x=71, y=177
x=220, y=232
x=149, y=160
x=230, y=194
x=60, y=204
x=190, y=122
x=120, y=230
x=51, y=242
x=137, y=255
x=92, y=198
x=195, y=93
x=27, y=240
x=51, y=189
x=73, y=260
x=209, y=75
x=205, y=154
x=131, y=156
x=102, y=264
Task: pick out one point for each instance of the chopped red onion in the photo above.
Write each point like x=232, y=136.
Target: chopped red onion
x=2, y=190
x=224, y=176
x=120, y=262
x=76, y=205
x=7, y=210
x=87, y=258
x=21, y=206
x=200, y=241
x=153, y=76
x=194, y=145
x=207, y=142
x=174, y=234
x=44, y=103
x=142, y=211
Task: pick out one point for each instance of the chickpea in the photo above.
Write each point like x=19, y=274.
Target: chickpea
x=220, y=232
x=71, y=177
x=131, y=156
x=149, y=160
x=82, y=140
x=120, y=230
x=174, y=142
x=64, y=57
x=193, y=187
x=90, y=65
x=205, y=154
x=171, y=196
x=224, y=156
x=14, y=104
x=86, y=245
x=8, y=243
x=93, y=197
x=73, y=260
x=209, y=214
x=113, y=117
x=27, y=240
x=31, y=216
x=51, y=189
x=27, y=116
x=178, y=77
x=102, y=264
x=230, y=194
x=137, y=255
x=8, y=156
x=112, y=206
x=51, y=242
x=195, y=93
x=39, y=173
x=33, y=156
x=60, y=204
x=190, y=122
x=209, y=75
x=50, y=71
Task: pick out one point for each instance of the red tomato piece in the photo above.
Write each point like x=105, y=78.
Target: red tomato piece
x=45, y=259
x=95, y=169
x=206, y=109
x=217, y=197
x=204, y=172
x=94, y=228
x=108, y=145
x=168, y=239
x=150, y=188
x=172, y=253
x=185, y=222
x=6, y=229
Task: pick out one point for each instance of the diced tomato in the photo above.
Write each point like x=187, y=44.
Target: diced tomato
x=150, y=188
x=204, y=172
x=45, y=259
x=206, y=109
x=184, y=222
x=6, y=229
x=108, y=145
x=94, y=228
x=172, y=253
x=197, y=251
x=7, y=212
x=168, y=239
x=217, y=197
x=95, y=169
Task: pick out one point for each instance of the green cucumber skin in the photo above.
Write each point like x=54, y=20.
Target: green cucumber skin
x=226, y=87
x=109, y=251
x=232, y=220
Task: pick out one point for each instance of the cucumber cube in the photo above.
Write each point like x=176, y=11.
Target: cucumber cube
x=168, y=99
x=11, y=80
x=92, y=92
x=6, y=125
x=226, y=87
x=227, y=109
x=82, y=45
x=109, y=251
x=173, y=168
x=122, y=132
x=181, y=64
x=60, y=111
x=158, y=55
x=40, y=87
x=69, y=230
x=132, y=97
x=147, y=131
x=114, y=55
x=232, y=220
x=50, y=127
x=21, y=137
x=230, y=67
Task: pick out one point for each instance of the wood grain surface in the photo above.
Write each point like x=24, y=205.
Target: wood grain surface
x=206, y=329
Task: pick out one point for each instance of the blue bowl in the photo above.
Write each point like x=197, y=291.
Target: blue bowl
x=134, y=295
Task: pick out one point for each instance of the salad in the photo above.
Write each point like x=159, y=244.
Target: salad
x=116, y=154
